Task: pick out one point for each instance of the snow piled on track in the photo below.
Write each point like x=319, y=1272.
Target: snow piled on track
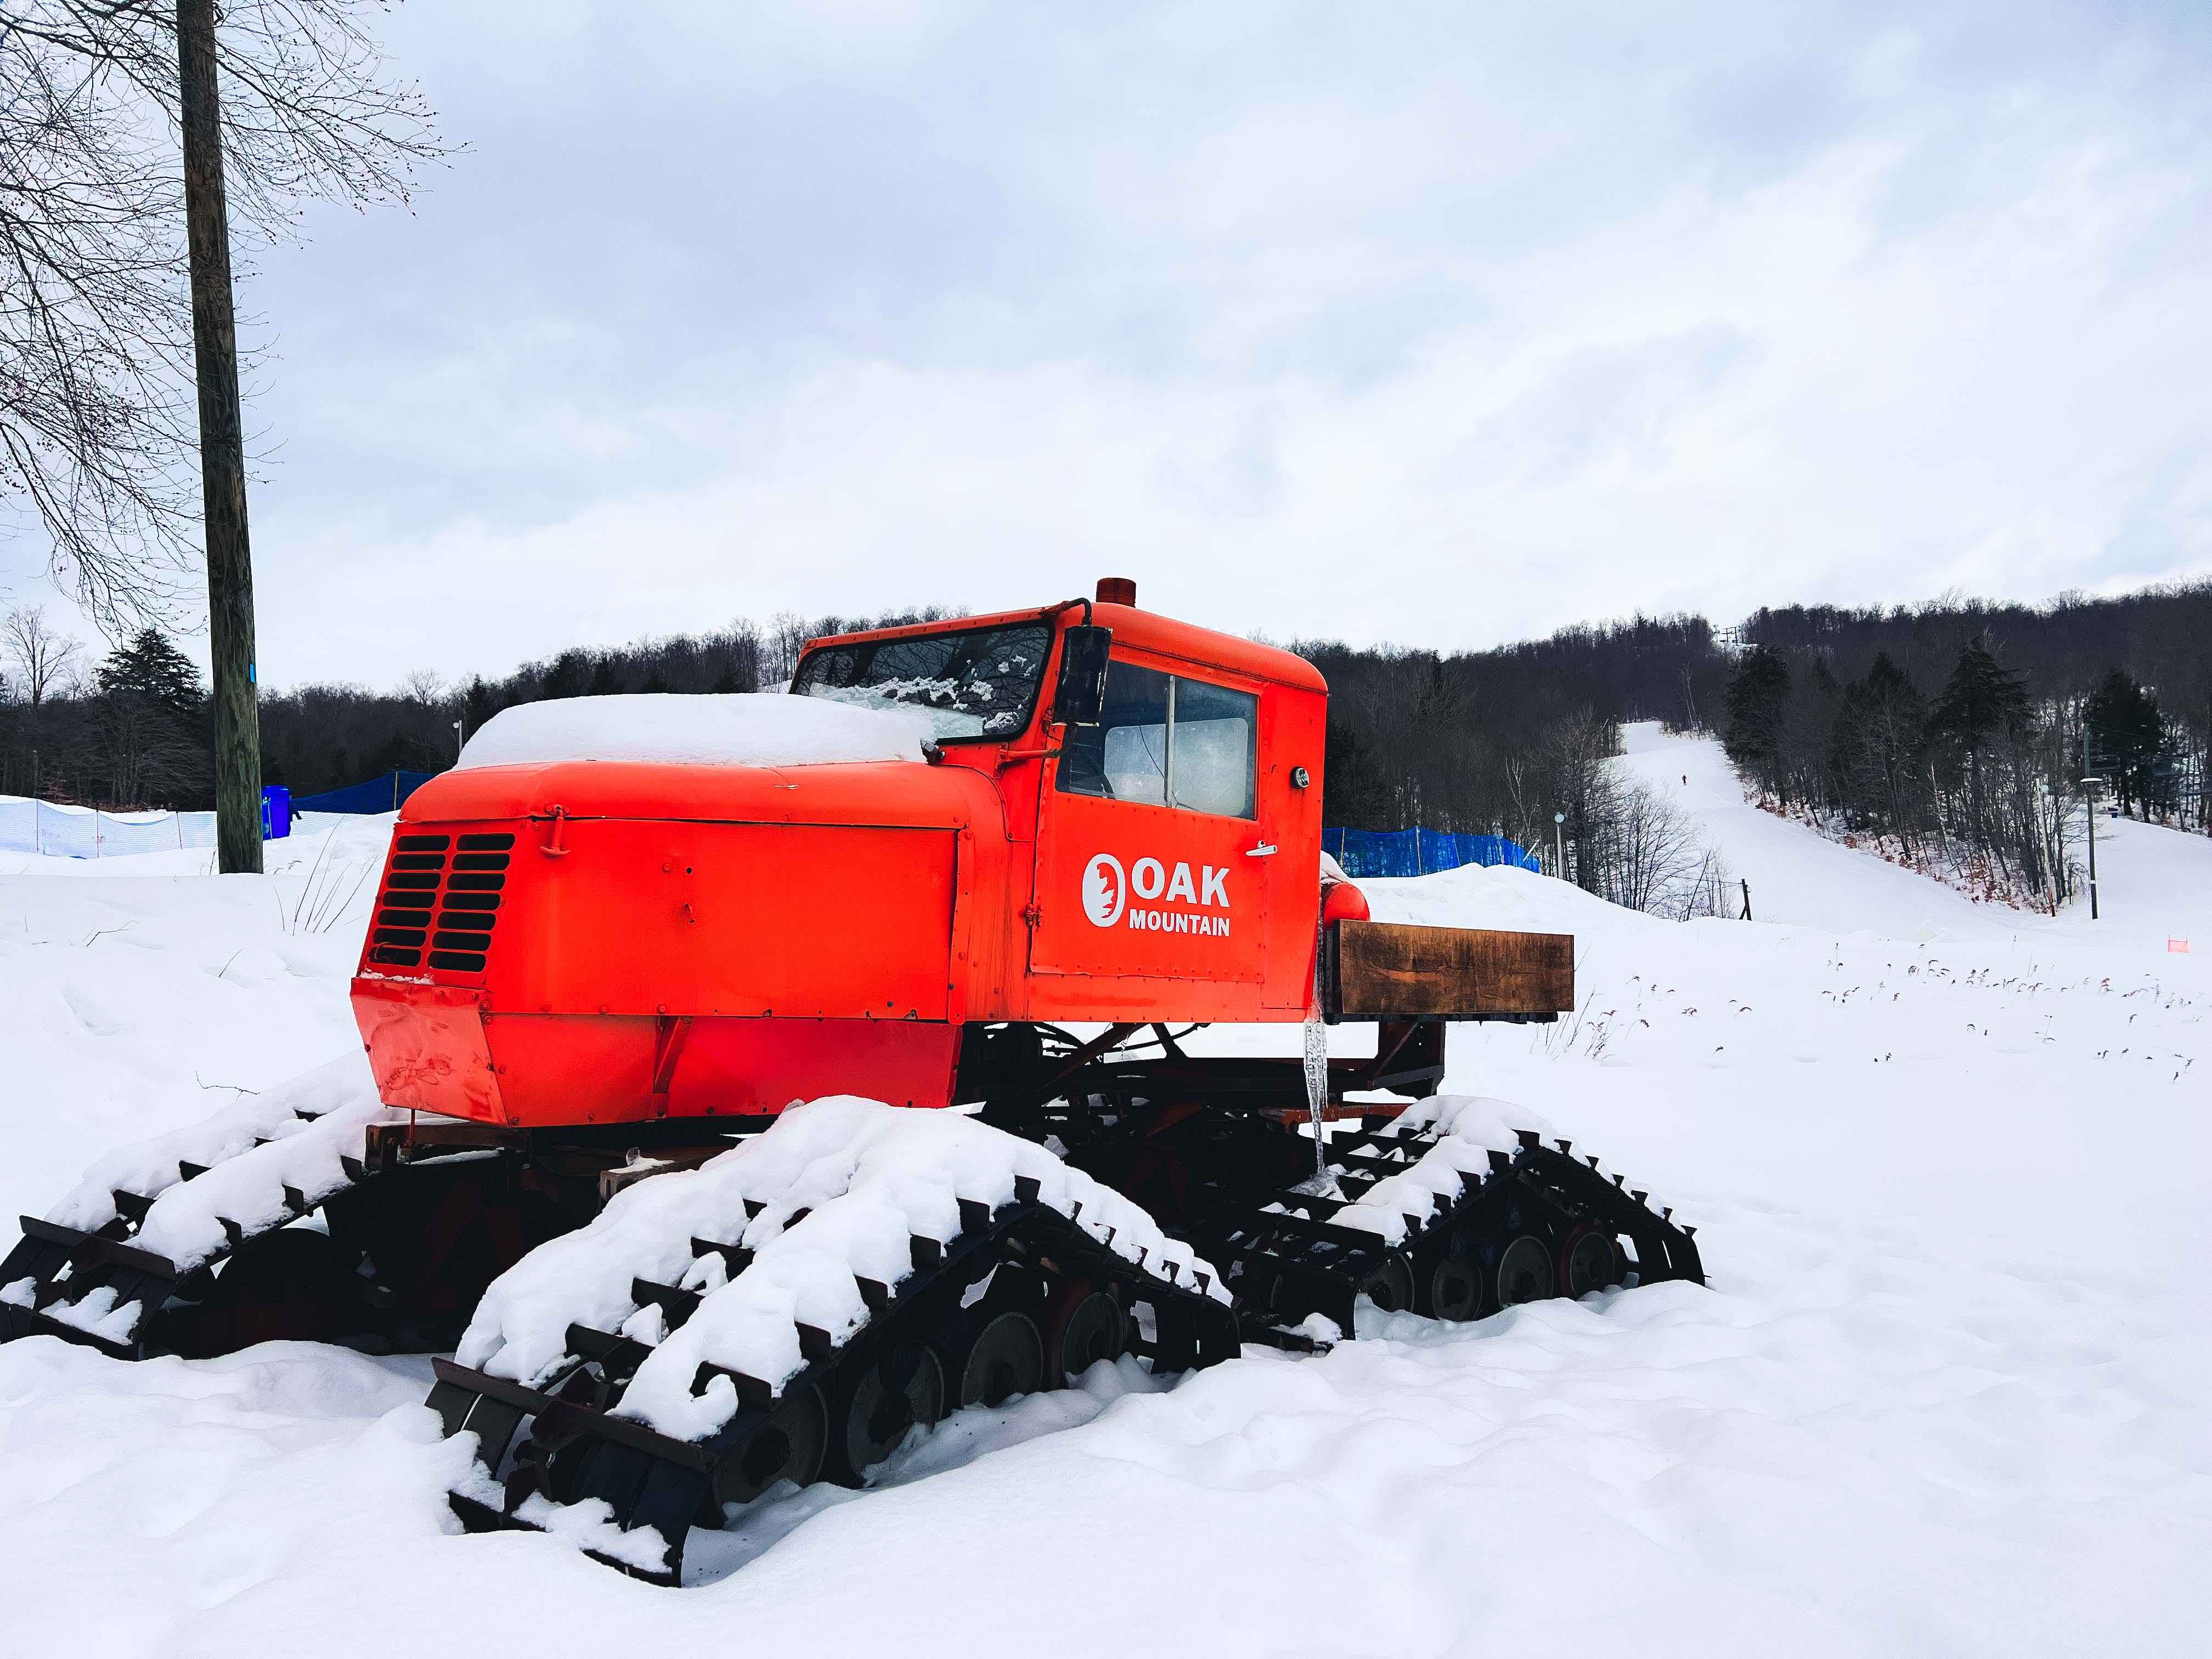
x=1469, y=1127
x=1945, y=1394
x=868, y=1177
x=309, y=1123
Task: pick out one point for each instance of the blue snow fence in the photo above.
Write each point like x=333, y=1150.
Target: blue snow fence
x=386, y=794
x=276, y=811
x=1419, y=852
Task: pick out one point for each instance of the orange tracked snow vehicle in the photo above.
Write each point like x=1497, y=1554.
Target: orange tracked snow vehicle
x=581, y=973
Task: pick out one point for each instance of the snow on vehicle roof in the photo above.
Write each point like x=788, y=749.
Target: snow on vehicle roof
x=737, y=729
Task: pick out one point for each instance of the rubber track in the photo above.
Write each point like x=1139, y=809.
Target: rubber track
x=651, y=1481
x=1286, y=1264
x=67, y=1264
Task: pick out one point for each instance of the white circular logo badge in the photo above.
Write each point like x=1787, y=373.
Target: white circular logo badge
x=1105, y=889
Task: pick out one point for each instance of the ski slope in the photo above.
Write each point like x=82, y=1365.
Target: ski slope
x=2154, y=884
x=1944, y=1394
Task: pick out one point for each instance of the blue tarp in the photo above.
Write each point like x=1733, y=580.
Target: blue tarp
x=386, y=794
x=1418, y=852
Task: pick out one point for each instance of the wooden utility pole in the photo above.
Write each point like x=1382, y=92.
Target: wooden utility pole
x=222, y=451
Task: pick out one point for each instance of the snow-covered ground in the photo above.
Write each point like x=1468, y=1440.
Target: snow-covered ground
x=139, y=995
x=1945, y=1394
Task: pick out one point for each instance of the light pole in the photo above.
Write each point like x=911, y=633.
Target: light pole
x=460, y=742
x=1559, y=845
x=2089, y=788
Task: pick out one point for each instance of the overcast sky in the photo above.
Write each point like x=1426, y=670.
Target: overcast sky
x=1441, y=325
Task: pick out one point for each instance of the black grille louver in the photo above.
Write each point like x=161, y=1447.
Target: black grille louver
x=440, y=899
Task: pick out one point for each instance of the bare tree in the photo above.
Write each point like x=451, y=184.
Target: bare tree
x=787, y=634
x=97, y=425
x=44, y=659
x=286, y=101
x=93, y=424
x=146, y=752
x=1654, y=860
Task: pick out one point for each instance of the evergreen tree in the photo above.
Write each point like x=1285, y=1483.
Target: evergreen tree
x=1982, y=700
x=145, y=741
x=1758, y=718
x=1984, y=705
x=2128, y=740
x=656, y=683
x=477, y=706
x=570, y=675
x=1881, y=734
x=605, y=681
x=1354, y=795
x=152, y=668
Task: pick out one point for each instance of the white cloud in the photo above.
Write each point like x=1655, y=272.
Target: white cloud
x=1401, y=323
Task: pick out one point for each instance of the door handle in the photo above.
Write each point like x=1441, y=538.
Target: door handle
x=1262, y=851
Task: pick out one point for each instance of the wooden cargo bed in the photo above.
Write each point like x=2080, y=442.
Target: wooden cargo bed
x=1392, y=970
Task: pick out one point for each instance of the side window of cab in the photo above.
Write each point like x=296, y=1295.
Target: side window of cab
x=1167, y=740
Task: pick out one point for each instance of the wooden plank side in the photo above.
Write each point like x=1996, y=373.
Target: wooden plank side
x=1386, y=968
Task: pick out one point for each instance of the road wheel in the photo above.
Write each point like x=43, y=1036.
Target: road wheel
x=1455, y=1289
x=878, y=1409
x=789, y=1449
x=1092, y=1328
x=1389, y=1286
x=1006, y=1358
x=1524, y=1271
x=1590, y=1262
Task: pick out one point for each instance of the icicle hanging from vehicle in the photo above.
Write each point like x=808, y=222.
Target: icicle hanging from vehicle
x=1316, y=1059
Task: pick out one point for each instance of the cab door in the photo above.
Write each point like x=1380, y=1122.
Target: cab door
x=1154, y=861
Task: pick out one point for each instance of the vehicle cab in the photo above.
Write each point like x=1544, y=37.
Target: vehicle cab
x=1161, y=789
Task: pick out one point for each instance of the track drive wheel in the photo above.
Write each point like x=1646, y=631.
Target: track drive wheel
x=1389, y=1286
x=882, y=1403
x=1524, y=1271
x=1006, y=1358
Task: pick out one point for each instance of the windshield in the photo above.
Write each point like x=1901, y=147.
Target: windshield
x=981, y=683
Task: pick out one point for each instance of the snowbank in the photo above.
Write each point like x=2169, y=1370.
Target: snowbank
x=740, y=729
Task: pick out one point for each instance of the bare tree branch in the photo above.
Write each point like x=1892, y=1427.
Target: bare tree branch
x=97, y=421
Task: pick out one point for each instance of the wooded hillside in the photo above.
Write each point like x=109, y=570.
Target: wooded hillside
x=1956, y=725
